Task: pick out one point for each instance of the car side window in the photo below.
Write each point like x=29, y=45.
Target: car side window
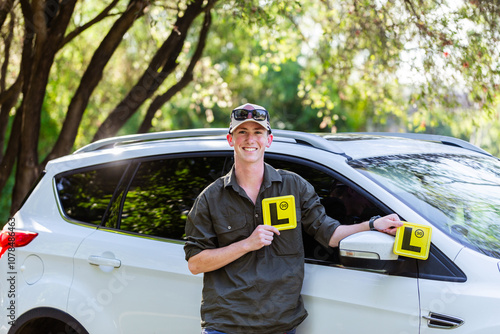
x=84, y=195
x=163, y=191
x=341, y=202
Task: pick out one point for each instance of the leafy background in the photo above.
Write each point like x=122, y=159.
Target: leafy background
x=319, y=66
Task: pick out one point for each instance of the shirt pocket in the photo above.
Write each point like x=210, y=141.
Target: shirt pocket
x=289, y=242
x=231, y=227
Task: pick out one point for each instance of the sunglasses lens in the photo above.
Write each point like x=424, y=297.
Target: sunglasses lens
x=242, y=114
x=259, y=115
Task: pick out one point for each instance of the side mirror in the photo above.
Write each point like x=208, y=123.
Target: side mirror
x=368, y=250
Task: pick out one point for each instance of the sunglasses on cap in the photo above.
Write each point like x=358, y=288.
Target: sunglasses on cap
x=256, y=114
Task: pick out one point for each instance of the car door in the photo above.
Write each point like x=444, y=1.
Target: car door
x=131, y=284
x=351, y=300
x=341, y=300
x=130, y=274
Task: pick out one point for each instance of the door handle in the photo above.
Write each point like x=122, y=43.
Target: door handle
x=97, y=260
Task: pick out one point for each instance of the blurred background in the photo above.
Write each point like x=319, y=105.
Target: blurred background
x=75, y=71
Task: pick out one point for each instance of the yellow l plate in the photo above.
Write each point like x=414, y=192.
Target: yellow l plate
x=280, y=212
x=413, y=240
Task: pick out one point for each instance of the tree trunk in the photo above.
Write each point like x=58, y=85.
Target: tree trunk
x=7, y=102
x=48, y=26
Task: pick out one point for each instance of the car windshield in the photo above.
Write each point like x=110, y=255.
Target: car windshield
x=459, y=194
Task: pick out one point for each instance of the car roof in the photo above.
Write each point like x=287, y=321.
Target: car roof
x=365, y=145
x=352, y=146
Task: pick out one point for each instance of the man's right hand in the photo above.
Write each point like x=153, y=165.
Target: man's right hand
x=262, y=236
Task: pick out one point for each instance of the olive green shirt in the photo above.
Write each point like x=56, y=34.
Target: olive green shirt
x=260, y=291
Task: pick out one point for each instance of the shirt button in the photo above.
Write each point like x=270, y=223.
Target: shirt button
x=256, y=215
x=229, y=227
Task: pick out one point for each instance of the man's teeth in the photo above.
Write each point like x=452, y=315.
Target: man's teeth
x=250, y=149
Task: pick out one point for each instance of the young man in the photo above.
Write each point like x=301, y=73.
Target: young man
x=253, y=273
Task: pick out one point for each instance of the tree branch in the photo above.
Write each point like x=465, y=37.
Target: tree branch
x=92, y=77
x=183, y=82
x=160, y=67
x=5, y=8
x=101, y=16
x=7, y=44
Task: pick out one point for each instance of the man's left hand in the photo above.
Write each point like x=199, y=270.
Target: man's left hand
x=388, y=224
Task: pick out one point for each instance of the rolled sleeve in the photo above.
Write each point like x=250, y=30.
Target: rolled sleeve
x=314, y=219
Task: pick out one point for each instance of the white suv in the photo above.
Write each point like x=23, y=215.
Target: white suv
x=97, y=246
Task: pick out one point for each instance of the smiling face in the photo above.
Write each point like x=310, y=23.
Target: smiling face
x=249, y=141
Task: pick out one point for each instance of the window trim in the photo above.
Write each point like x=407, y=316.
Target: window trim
x=60, y=207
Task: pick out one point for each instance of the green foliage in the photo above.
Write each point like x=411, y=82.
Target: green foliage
x=321, y=65
x=166, y=190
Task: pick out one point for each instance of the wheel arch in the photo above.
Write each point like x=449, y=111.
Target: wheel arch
x=46, y=319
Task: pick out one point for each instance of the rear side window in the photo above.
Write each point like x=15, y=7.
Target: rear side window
x=85, y=195
x=162, y=192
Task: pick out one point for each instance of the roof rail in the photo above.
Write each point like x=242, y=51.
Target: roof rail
x=436, y=138
x=310, y=139
x=300, y=137
x=141, y=137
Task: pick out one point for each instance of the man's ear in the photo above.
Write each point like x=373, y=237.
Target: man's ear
x=230, y=139
x=269, y=140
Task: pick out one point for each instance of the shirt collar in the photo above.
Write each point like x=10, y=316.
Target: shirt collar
x=270, y=175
